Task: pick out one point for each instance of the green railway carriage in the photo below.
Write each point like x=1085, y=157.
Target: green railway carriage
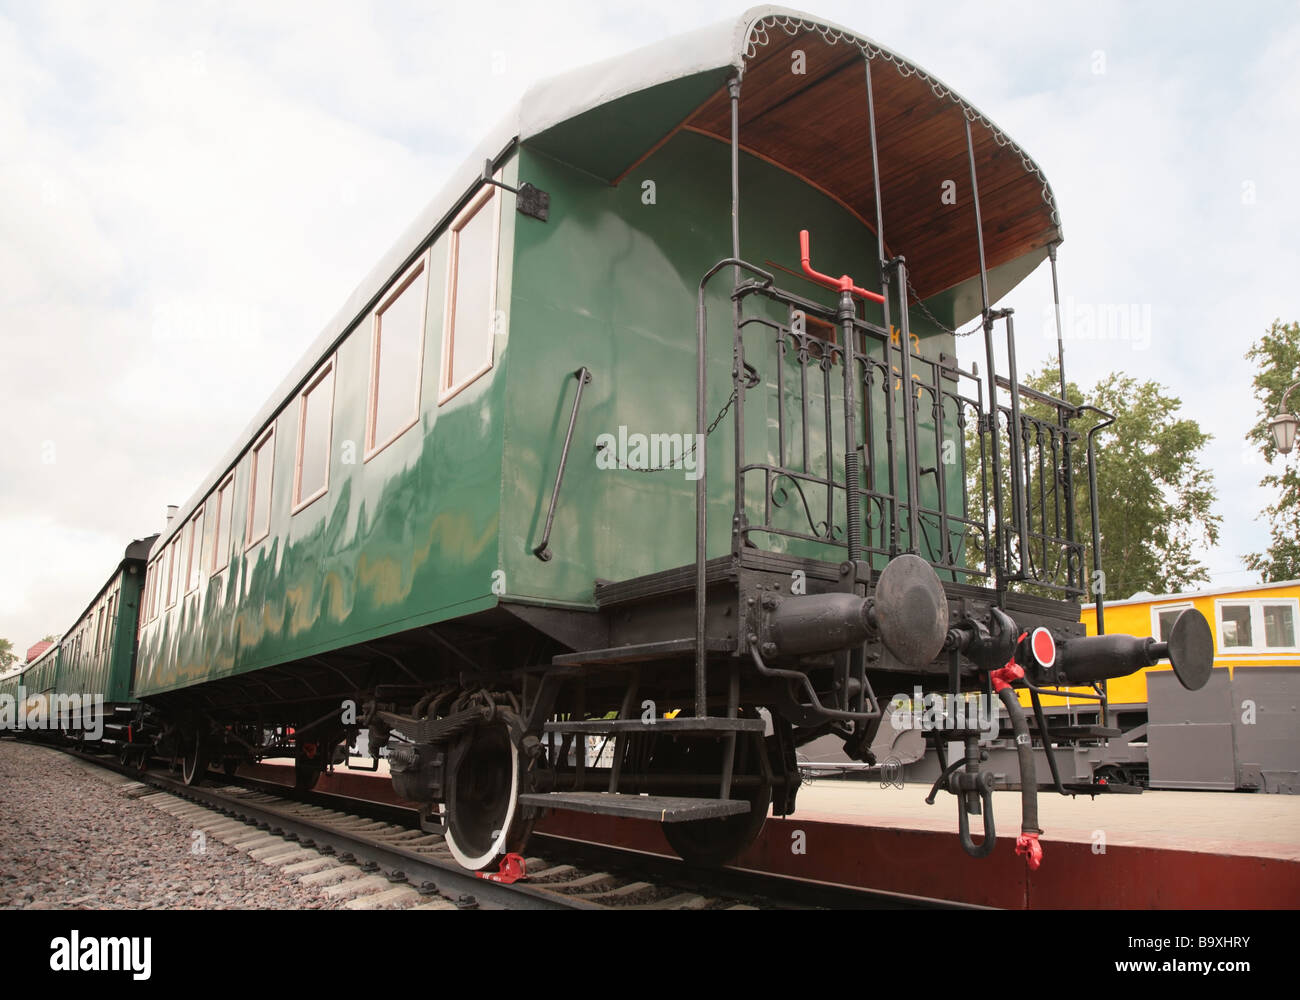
x=596, y=449
x=28, y=691
x=91, y=669
x=97, y=656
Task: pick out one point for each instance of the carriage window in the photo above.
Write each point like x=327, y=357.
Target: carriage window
x=221, y=536
x=396, y=359
x=174, y=566
x=1279, y=626
x=1163, y=618
x=315, y=414
x=259, y=490
x=471, y=296
x=1235, y=626
x=194, y=557
x=1258, y=626
x=108, y=622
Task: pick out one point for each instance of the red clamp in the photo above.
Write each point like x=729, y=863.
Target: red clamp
x=1028, y=845
x=841, y=284
x=1007, y=676
x=510, y=871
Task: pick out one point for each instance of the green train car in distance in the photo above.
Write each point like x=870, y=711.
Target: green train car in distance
x=82, y=685
x=598, y=453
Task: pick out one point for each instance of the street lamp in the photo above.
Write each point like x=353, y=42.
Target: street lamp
x=1283, y=426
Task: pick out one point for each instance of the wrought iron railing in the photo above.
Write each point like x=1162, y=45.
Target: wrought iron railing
x=992, y=502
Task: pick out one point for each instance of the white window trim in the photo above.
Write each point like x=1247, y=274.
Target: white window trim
x=258, y=445
x=413, y=274
x=1256, y=626
x=446, y=390
x=195, y=560
x=173, y=556
x=1157, y=609
x=216, y=525
x=330, y=368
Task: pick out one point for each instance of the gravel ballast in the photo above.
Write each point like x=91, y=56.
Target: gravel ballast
x=75, y=837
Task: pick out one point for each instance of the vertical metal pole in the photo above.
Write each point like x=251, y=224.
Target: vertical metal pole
x=883, y=264
x=701, y=422
x=1074, y=574
x=909, y=412
x=738, y=519
x=1019, y=488
x=990, y=359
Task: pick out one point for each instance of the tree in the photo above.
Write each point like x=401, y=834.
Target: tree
x=51, y=638
x=1278, y=358
x=1155, y=498
x=7, y=655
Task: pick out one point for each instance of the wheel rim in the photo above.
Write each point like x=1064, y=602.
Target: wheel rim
x=193, y=764
x=482, y=808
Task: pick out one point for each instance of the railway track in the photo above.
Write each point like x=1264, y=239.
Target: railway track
x=369, y=855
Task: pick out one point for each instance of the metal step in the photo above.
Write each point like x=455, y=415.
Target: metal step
x=683, y=725
x=661, y=808
x=643, y=651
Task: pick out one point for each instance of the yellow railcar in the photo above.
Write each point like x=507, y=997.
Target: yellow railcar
x=1237, y=732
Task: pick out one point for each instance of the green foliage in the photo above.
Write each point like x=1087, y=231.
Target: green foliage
x=7, y=655
x=1155, y=497
x=1278, y=358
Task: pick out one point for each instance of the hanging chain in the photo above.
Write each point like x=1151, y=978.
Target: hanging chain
x=935, y=320
x=681, y=464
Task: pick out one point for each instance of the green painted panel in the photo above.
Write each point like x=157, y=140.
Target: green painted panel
x=610, y=282
x=407, y=538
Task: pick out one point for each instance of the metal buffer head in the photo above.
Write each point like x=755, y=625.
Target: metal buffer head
x=1190, y=649
x=907, y=611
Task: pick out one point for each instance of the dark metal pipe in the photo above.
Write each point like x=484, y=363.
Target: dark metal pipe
x=1019, y=471
x=1025, y=753
x=881, y=263
x=701, y=491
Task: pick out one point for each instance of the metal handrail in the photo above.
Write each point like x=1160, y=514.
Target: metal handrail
x=543, y=549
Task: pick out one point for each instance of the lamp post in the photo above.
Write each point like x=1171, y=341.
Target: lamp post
x=1283, y=426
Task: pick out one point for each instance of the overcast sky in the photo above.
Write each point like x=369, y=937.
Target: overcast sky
x=189, y=191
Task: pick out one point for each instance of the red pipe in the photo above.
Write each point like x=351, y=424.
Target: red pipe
x=841, y=284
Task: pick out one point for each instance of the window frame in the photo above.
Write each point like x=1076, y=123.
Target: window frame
x=1158, y=609
x=328, y=370
x=173, y=581
x=418, y=269
x=259, y=444
x=1259, y=646
x=228, y=510
x=194, y=563
x=447, y=391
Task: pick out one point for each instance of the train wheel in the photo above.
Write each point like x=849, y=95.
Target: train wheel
x=712, y=842
x=194, y=764
x=486, y=775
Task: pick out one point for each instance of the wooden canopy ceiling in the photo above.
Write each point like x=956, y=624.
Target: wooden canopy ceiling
x=815, y=124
